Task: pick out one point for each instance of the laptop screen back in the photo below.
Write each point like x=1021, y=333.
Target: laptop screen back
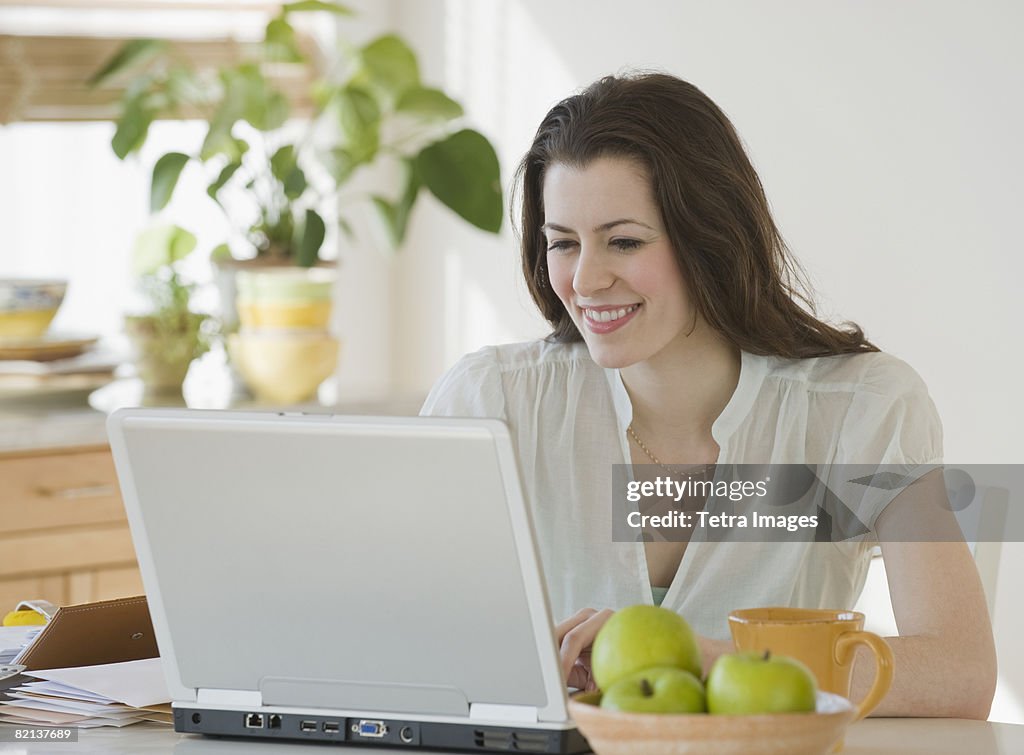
x=343, y=560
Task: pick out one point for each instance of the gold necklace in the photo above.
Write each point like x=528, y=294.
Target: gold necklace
x=702, y=471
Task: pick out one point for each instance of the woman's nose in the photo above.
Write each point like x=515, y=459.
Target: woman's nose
x=592, y=273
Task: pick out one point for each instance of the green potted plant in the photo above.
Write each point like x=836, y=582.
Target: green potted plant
x=275, y=178
x=169, y=334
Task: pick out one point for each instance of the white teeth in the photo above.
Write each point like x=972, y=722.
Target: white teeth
x=608, y=315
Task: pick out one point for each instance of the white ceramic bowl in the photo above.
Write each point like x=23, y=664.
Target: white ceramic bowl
x=284, y=367
x=28, y=305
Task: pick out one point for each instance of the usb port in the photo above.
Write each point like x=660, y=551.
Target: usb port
x=372, y=729
x=254, y=721
x=308, y=726
x=331, y=727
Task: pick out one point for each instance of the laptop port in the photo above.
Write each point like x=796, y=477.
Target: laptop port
x=331, y=727
x=274, y=721
x=254, y=721
x=371, y=729
x=406, y=734
x=308, y=726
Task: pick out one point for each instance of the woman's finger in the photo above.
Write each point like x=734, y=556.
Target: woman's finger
x=579, y=638
x=571, y=623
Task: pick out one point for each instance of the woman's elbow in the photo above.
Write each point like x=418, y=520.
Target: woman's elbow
x=977, y=683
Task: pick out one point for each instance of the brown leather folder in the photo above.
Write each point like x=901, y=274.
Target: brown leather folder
x=89, y=634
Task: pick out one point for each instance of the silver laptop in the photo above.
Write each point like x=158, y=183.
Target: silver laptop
x=356, y=580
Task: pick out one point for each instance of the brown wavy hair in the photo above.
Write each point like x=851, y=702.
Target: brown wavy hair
x=742, y=277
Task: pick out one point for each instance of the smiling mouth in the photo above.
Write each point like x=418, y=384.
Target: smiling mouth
x=602, y=316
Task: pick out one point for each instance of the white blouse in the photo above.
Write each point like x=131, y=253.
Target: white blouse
x=568, y=419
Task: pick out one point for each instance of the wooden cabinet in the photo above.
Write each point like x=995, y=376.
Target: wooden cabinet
x=63, y=532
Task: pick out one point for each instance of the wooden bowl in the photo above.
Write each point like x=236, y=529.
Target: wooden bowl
x=614, y=733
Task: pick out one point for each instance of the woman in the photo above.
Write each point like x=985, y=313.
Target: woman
x=679, y=339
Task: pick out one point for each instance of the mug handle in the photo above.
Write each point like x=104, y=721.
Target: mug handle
x=845, y=645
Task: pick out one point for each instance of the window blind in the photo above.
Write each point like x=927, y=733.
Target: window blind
x=49, y=50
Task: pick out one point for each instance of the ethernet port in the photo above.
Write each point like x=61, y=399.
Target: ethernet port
x=254, y=721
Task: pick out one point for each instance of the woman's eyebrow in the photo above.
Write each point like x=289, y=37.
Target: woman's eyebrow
x=603, y=227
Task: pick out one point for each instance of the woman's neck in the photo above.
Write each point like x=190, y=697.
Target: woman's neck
x=681, y=391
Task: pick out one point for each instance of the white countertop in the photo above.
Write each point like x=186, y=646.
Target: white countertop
x=51, y=428
x=53, y=422
x=874, y=736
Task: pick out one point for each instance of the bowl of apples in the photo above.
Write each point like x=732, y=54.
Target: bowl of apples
x=652, y=701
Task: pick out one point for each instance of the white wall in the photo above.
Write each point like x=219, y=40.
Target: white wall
x=888, y=137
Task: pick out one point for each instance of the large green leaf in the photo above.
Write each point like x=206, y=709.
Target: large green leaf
x=314, y=5
x=284, y=167
x=159, y=246
x=218, y=136
x=313, y=232
x=396, y=214
x=360, y=118
x=248, y=97
x=463, y=172
x=132, y=126
x=340, y=163
x=165, y=177
x=295, y=183
x=388, y=66
x=184, y=85
x=282, y=161
x=265, y=108
x=220, y=253
x=131, y=54
x=280, y=43
x=427, y=102
x=222, y=178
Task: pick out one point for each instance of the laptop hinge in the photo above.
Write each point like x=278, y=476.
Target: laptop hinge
x=247, y=698
x=525, y=714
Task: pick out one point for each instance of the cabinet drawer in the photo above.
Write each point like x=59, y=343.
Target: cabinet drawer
x=66, y=550
x=58, y=490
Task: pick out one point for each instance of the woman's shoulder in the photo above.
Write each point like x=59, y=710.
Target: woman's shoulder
x=476, y=384
x=540, y=353
x=526, y=355
x=875, y=372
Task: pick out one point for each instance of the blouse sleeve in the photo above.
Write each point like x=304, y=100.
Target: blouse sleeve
x=892, y=433
x=471, y=388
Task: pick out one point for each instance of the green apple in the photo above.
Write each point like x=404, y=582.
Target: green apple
x=747, y=683
x=640, y=637
x=662, y=689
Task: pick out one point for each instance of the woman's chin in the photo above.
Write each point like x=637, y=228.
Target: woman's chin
x=610, y=359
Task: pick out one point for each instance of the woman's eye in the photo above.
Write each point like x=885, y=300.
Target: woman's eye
x=561, y=245
x=626, y=245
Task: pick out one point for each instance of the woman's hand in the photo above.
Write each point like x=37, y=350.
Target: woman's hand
x=575, y=635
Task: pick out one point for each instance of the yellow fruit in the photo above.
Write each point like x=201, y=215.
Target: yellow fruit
x=24, y=619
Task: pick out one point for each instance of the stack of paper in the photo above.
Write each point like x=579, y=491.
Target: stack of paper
x=113, y=694
x=14, y=639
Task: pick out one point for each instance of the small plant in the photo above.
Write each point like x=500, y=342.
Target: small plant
x=169, y=334
x=276, y=175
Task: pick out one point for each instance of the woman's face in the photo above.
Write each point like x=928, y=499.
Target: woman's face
x=611, y=264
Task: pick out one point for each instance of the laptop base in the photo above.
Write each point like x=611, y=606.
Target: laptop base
x=342, y=730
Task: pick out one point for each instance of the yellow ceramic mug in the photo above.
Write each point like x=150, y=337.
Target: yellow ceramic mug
x=823, y=639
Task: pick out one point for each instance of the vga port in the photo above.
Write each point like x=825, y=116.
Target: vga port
x=372, y=729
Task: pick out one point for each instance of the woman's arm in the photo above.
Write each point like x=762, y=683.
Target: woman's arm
x=710, y=650
x=945, y=660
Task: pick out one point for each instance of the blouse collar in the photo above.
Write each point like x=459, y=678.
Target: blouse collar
x=753, y=369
